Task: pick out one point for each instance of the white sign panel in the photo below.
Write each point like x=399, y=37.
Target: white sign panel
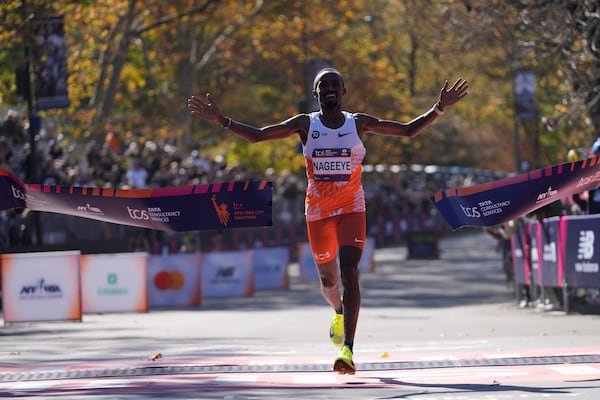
x=41, y=286
x=114, y=282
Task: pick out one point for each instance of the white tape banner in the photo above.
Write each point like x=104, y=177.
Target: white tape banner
x=228, y=274
x=41, y=286
x=114, y=282
x=175, y=280
x=271, y=267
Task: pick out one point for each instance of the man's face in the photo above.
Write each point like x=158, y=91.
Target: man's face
x=330, y=89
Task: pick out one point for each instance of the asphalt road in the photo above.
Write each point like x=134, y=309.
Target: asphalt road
x=447, y=328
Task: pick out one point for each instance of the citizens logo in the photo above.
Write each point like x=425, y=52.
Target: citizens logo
x=112, y=288
x=221, y=210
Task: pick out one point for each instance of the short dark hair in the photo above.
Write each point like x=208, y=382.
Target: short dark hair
x=324, y=71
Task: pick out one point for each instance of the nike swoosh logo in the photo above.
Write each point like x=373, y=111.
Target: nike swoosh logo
x=358, y=240
x=343, y=134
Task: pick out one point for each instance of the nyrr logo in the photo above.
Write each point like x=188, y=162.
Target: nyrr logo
x=315, y=134
x=88, y=208
x=586, y=245
x=138, y=214
x=41, y=289
x=221, y=210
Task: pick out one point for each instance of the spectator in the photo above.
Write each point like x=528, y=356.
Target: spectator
x=136, y=175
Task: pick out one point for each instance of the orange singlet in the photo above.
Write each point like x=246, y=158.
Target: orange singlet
x=335, y=199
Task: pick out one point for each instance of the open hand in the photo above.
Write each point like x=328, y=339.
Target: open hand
x=206, y=109
x=449, y=97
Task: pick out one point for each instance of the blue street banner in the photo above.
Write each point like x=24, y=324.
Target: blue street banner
x=496, y=202
x=176, y=209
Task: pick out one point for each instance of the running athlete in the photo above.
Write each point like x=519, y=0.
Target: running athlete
x=335, y=202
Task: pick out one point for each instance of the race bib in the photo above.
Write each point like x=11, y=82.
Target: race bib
x=332, y=164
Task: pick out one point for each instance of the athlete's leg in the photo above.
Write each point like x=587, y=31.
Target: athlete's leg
x=351, y=236
x=349, y=260
x=323, y=244
x=329, y=276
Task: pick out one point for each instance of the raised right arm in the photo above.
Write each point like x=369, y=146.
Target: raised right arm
x=209, y=110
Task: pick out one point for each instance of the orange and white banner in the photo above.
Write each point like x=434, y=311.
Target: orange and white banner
x=175, y=280
x=41, y=286
x=114, y=282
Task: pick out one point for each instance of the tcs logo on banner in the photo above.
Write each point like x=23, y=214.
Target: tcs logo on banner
x=169, y=280
x=471, y=212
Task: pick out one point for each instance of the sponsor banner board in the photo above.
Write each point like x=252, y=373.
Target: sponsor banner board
x=580, y=236
x=41, y=286
x=547, y=249
x=227, y=274
x=271, y=267
x=114, y=282
x=175, y=280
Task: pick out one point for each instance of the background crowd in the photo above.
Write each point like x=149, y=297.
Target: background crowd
x=397, y=196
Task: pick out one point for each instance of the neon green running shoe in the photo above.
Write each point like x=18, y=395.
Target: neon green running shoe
x=343, y=364
x=336, y=330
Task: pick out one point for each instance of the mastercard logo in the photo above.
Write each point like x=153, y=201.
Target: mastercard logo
x=169, y=280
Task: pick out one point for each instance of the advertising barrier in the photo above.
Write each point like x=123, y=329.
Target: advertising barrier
x=41, y=286
x=520, y=246
x=580, y=250
x=228, y=274
x=271, y=267
x=175, y=280
x=114, y=282
x=547, y=250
